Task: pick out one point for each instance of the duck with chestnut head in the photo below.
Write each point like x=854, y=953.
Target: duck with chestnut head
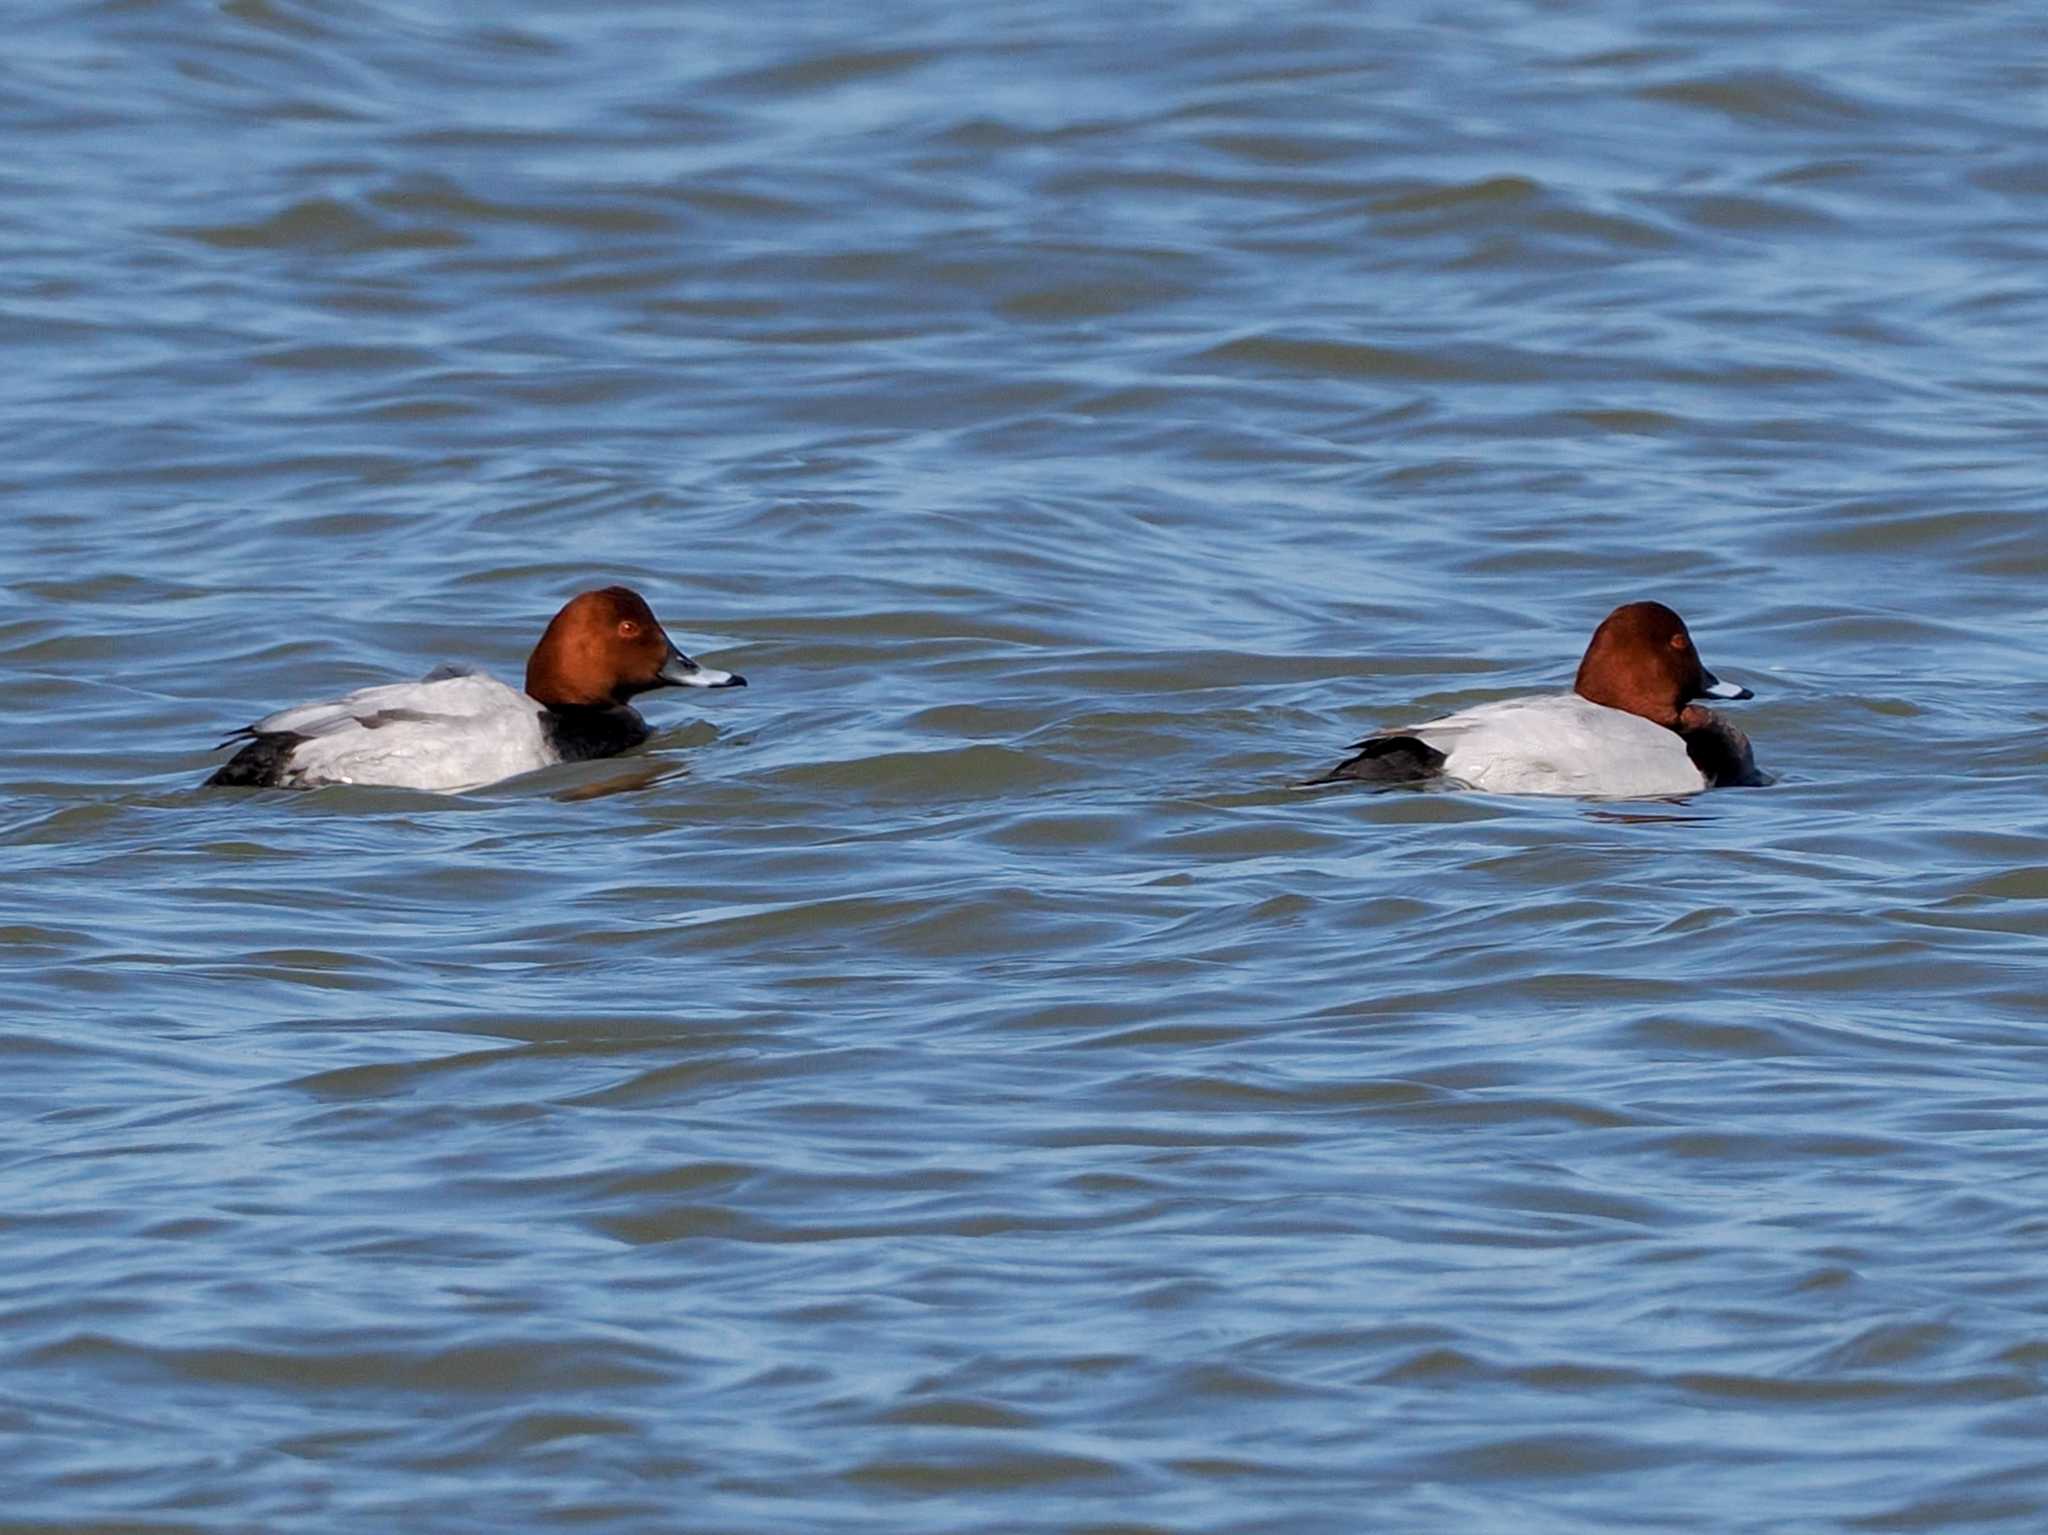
x=1631, y=726
x=463, y=729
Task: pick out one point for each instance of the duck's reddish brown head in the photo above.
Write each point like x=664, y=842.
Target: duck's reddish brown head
x=605, y=647
x=1642, y=660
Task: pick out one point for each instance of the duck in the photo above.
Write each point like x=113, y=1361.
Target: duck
x=457, y=728
x=1631, y=727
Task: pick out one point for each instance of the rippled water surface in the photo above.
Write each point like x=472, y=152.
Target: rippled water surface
x=955, y=1084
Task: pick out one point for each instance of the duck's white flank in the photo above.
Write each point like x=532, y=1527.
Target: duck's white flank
x=1560, y=743
x=444, y=733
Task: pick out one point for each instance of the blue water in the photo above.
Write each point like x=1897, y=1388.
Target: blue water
x=955, y=1084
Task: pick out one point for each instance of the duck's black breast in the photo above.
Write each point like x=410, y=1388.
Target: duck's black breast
x=580, y=735
x=1719, y=750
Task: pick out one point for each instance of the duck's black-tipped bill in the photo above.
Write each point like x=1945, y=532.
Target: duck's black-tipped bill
x=679, y=671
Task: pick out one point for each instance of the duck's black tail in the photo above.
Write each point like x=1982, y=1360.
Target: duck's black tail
x=1385, y=760
x=258, y=765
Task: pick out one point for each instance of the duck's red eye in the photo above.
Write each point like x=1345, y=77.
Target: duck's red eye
x=1681, y=642
x=628, y=629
